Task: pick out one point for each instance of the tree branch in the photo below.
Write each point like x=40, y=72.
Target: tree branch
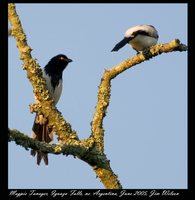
x=83, y=150
x=104, y=91
x=90, y=150
x=34, y=74
x=46, y=106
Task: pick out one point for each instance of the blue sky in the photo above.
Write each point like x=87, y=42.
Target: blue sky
x=146, y=123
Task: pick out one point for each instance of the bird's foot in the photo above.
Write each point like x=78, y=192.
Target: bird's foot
x=146, y=53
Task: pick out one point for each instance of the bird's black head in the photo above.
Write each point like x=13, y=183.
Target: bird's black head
x=57, y=64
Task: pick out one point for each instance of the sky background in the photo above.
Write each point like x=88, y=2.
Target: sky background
x=146, y=122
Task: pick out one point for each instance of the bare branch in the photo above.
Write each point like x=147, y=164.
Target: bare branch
x=90, y=150
x=83, y=150
x=68, y=137
x=34, y=74
x=105, y=85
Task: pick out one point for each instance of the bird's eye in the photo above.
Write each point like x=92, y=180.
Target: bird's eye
x=62, y=58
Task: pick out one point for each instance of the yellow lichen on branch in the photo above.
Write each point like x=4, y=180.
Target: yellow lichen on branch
x=90, y=150
x=34, y=74
x=104, y=91
x=71, y=145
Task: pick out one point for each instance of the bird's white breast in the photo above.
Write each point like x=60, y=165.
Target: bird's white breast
x=55, y=94
x=141, y=42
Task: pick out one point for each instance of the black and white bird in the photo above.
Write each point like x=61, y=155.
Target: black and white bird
x=139, y=37
x=52, y=73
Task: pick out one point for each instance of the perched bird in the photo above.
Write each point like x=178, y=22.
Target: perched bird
x=139, y=37
x=52, y=73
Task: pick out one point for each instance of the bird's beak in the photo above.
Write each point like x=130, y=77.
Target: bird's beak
x=69, y=60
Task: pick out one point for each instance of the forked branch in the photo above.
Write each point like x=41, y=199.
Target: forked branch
x=90, y=150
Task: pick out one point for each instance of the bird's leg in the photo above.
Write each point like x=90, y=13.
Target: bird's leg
x=137, y=52
x=41, y=120
x=147, y=54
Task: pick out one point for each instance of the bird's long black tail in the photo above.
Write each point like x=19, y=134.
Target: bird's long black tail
x=41, y=132
x=121, y=44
